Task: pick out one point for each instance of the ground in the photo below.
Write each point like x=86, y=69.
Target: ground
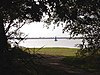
x=55, y=63
x=23, y=63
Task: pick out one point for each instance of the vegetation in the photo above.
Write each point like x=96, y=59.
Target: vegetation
x=55, y=51
x=80, y=18
x=14, y=13
x=89, y=64
x=24, y=63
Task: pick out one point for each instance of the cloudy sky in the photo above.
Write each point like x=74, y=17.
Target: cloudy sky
x=39, y=30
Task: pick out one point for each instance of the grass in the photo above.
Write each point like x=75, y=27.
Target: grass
x=23, y=62
x=70, y=57
x=55, y=51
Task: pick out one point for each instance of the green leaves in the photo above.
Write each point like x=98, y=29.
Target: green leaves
x=80, y=17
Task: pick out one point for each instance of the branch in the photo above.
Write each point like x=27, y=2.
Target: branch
x=17, y=29
x=7, y=29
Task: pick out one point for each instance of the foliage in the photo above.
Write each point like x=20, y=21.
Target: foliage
x=13, y=31
x=22, y=10
x=16, y=13
x=89, y=64
x=80, y=18
x=21, y=63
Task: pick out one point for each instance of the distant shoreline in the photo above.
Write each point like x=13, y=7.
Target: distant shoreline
x=53, y=47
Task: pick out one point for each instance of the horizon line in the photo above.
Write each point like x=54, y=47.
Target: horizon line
x=47, y=38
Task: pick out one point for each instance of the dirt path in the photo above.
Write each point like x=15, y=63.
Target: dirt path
x=55, y=63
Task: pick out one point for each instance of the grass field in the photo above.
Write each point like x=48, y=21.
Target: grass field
x=70, y=57
x=54, y=51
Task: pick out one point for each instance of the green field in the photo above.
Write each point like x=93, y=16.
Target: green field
x=54, y=51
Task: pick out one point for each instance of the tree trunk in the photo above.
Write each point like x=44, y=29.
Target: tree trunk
x=3, y=46
x=3, y=38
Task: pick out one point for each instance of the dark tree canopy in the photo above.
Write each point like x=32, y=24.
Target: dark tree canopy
x=80, y=17
x=13, y=12
x=22, y=9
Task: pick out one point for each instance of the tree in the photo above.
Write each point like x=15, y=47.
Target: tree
x=81, y=17
x=21, y=10
x=13, y=12
x=13, y=33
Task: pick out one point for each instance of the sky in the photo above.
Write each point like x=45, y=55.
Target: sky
x=39, y=30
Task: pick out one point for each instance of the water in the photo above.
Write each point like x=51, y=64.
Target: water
x=31, y=43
